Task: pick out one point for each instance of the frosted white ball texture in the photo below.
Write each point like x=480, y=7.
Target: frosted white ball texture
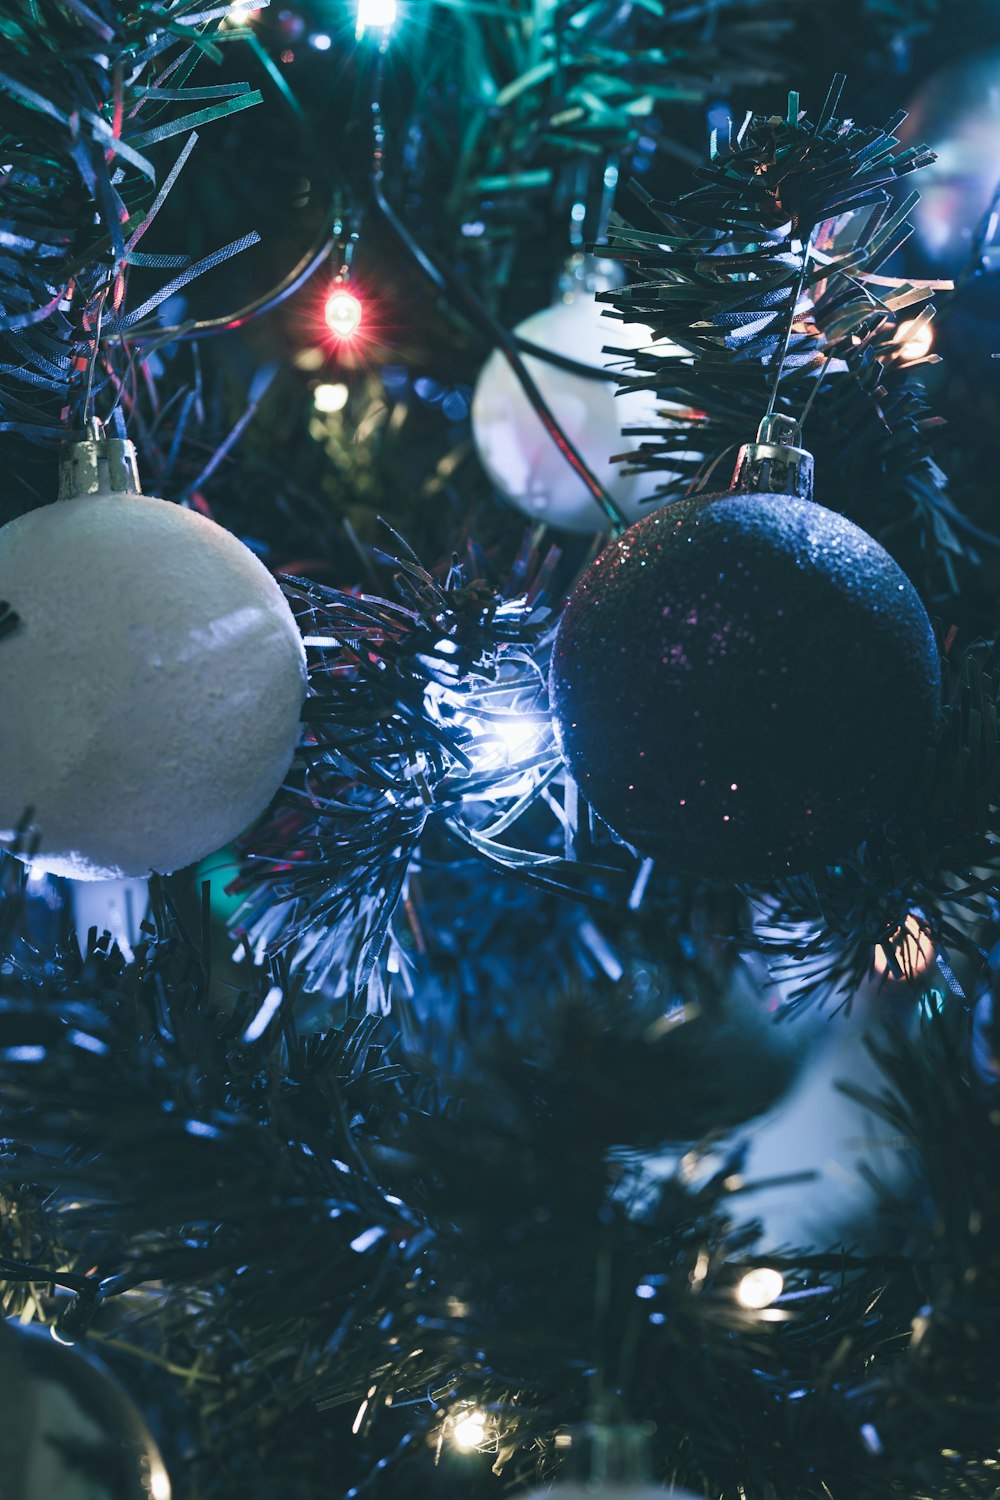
x=60, y=1426
x=150, y=696
x=517, y=452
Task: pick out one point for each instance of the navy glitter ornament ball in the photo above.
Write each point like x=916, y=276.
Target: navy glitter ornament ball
x=745, y=684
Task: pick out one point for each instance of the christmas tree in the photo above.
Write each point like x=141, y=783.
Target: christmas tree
x=499, y=776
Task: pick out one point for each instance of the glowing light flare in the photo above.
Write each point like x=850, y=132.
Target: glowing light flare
x=375, y=14
x=468, y=1430
x=330, y=397
x=498, y=742
x=906, y=953
x=759, y=1288
x=914, y=340
x=242, y=13
x=342, y=313
x=518, y=732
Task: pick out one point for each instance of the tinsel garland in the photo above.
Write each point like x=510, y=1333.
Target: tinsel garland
x=365, y=1232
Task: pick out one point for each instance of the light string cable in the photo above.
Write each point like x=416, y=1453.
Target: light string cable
x=830, y=104
x=318, y=254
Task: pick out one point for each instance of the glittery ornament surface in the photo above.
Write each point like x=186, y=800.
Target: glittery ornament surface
x=745, y=685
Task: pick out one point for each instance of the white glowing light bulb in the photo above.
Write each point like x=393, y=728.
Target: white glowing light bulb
x=342, y=313
x=469, y=1430
x=516, y=733
x=760, y=1287
x=330, y=398
x=372, y=13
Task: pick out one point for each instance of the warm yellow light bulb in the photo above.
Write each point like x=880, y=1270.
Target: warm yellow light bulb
x=760, y=1287
x=469, y=1429
x=914, y=341
x=159, y=1484
x=330, y=398
x=911, y=949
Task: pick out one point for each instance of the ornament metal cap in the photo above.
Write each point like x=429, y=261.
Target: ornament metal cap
x=98, y=465
x=608, y=1449
x=588, y=273
x=774, y=464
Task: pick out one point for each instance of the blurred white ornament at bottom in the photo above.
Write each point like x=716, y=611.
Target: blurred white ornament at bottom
x=611, y=1491
x=819, y=1129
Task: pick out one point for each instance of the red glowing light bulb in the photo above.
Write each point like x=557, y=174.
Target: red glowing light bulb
x=342, y=313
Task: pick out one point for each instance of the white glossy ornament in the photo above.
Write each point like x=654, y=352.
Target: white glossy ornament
x=68, y=1429
x=152, y=689
x=517, y=452
x=611, y=1458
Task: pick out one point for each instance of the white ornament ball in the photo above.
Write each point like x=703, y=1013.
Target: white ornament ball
x=150, y=696
x=69, y=1431
x=517, y=452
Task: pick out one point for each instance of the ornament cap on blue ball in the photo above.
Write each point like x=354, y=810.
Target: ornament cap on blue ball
x=745, y=684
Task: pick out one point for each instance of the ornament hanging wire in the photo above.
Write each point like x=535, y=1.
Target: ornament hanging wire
x=829, y=106
x=324, y=247
x=476, y=313
x=95, y=352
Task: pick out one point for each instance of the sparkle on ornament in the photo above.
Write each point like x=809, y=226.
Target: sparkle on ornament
x=469, y=1430
x=760, y=1287
x=330, y=398
x=342, y=313
x=375, y=13
x=911, y=948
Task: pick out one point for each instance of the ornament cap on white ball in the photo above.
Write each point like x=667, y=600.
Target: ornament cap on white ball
x=99, y=466
x=151, y=692
x=611, y=1458
x=598, y=1491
